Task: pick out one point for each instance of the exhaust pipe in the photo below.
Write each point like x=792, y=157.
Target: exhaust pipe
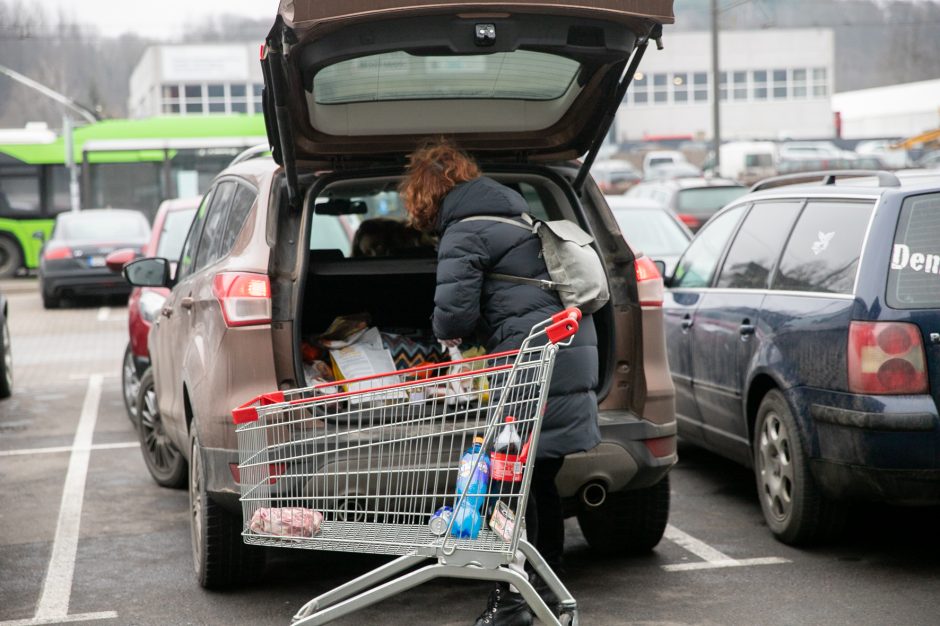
x=594, y=494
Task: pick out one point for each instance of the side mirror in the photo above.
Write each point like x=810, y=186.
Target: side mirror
x=39, y=236
x=149, y=272
x=119, y=258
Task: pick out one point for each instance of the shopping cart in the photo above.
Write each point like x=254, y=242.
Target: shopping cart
x=368, y=465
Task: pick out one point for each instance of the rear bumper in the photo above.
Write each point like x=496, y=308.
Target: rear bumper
x=881, y=448
x=85, y=282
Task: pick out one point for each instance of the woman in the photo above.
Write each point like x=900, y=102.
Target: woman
x=443, y=187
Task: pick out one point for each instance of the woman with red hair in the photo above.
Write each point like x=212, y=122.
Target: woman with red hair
x=442, y=187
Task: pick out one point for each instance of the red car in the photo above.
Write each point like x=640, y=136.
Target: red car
x=170, y=227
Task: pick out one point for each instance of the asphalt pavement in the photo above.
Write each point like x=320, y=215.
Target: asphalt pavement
x=87, y=537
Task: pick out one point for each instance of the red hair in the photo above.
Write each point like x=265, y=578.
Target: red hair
x=433, y=170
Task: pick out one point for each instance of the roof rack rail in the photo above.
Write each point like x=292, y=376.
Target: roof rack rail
x=251, y=153
x=885, y=179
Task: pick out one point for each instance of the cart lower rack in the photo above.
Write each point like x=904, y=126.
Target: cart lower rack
x=431, y=464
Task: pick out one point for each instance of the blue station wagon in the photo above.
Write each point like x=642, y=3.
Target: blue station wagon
x=803, y=334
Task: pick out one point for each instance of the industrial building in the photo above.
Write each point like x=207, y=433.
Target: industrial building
x=896, y=111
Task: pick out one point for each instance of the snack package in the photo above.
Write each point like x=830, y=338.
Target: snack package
x=286, y=522
x=345, y=331
x=366, y=357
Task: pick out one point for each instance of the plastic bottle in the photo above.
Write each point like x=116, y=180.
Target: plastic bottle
x=508, y=441
x=506, y=463
x=473, y=478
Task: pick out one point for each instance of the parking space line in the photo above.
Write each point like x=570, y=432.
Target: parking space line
x=57, y=588
x=103, y=313
x=98, y=446
x=80, y=617
x=711, y=558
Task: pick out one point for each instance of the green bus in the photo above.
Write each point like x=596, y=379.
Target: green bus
x=129, y=164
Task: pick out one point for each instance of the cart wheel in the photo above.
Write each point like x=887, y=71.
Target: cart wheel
x=220, y=557
x=163, y=460
x=628, y=522
x=130, y=385
x=6, y=359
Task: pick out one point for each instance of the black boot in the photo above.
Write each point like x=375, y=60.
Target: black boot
x=505, y=608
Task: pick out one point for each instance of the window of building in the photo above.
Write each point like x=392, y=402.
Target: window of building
x=640, y=88
x=256, y=96
x=723, y=86
x=823, y=251
x=170, y=99
x=757, y=245
x=700, y=86
x=680, y=88
x=759, y=80
x=781, y=90
x=660, y=88
x=193, y=95
x=820, y=83
x=216, y=93
x=799, y=83
x=239, y=98
x=739, y=86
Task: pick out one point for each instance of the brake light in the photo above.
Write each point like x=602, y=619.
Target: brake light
x=690, y=220
x=649, y=283
x=886, y=358
x=57, y=252
x=245, y=298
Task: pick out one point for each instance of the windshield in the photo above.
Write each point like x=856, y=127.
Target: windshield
x=653, y=231
x=175, y=228
x=705, y=201
x=522, y=74
x=105, y=226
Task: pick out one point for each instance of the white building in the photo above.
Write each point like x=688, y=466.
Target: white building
x=775, y=84
x=896, y=111
x=196, y=80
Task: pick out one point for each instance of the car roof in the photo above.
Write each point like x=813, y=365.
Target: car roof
x=255, y=170
x=690, y=182
x=628, y=203
x=69, y=215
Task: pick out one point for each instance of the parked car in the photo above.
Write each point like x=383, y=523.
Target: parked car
x=881, y=149
x=170, y=226
x=651, y=228
x=614, y=176
x=694, y=200
x=930, y=160
x=6, y=351
x=658, y=158
x=803, y=326
x=670, y=171
x=748, y=161
x=795, y=150
x=250, y=283
x=72, y=262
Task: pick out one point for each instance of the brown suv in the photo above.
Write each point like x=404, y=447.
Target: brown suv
x=269, y=259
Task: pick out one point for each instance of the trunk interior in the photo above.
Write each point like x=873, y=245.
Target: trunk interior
x=396, y=286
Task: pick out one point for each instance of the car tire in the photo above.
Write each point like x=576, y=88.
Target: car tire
x=130, y=385
x=49, y=301
x=164, y=461
x=6, y=360
x=11, y=257
x=628, y=522
x=220, y=558
x=795, y=510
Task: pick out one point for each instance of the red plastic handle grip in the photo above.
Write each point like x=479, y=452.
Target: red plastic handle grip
x=573, y=313
x=559, y=331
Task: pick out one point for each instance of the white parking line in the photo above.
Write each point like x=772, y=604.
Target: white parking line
x=711, y=558
x=103, y=313
x=53, y=604
x=97, y=446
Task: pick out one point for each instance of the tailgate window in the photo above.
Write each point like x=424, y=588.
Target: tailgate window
x=914, y=278
x=521, y=75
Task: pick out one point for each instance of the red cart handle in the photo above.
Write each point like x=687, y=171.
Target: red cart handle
x=565, y=325
x=572, y=312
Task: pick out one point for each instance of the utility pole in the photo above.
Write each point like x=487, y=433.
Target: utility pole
x=67, y=127
x=716, y=102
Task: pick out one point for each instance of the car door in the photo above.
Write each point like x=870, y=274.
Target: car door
x=693, y=276
x=727, y=328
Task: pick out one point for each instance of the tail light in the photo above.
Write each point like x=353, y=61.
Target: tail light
x=57, y=252
x=245, y=298
x=886, y=358
x=690, y=220
x=649, y=283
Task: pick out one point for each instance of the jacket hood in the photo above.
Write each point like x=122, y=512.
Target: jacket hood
x=480, y=196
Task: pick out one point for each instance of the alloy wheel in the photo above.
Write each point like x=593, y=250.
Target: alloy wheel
x=131, y=381
x=775, y=466
x=7, y=357
x=195, y=504
x=163, y=454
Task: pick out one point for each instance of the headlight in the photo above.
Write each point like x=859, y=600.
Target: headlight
x=150, y=304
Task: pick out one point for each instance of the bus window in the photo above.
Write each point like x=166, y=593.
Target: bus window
x=19, y=191
x=126, y=186
x=57, y=189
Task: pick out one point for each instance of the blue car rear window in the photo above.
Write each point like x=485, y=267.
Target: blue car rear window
x=914, y=277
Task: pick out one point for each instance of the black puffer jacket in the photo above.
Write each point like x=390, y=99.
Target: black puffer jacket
x=466, y=301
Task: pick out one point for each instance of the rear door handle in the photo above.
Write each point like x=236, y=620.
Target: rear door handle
x=746, y=329
x=686, y=322
x=187, y=302
x=166, y=311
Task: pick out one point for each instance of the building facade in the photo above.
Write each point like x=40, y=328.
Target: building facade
x=774, y=84
x=196, y=80
x=895, y=111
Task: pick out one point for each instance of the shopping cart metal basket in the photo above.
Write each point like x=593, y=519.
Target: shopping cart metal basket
x=370, y=464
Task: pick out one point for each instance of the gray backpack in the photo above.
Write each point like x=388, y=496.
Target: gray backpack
x=575, y=268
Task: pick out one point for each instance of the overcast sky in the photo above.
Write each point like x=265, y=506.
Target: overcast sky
x=155, y=18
